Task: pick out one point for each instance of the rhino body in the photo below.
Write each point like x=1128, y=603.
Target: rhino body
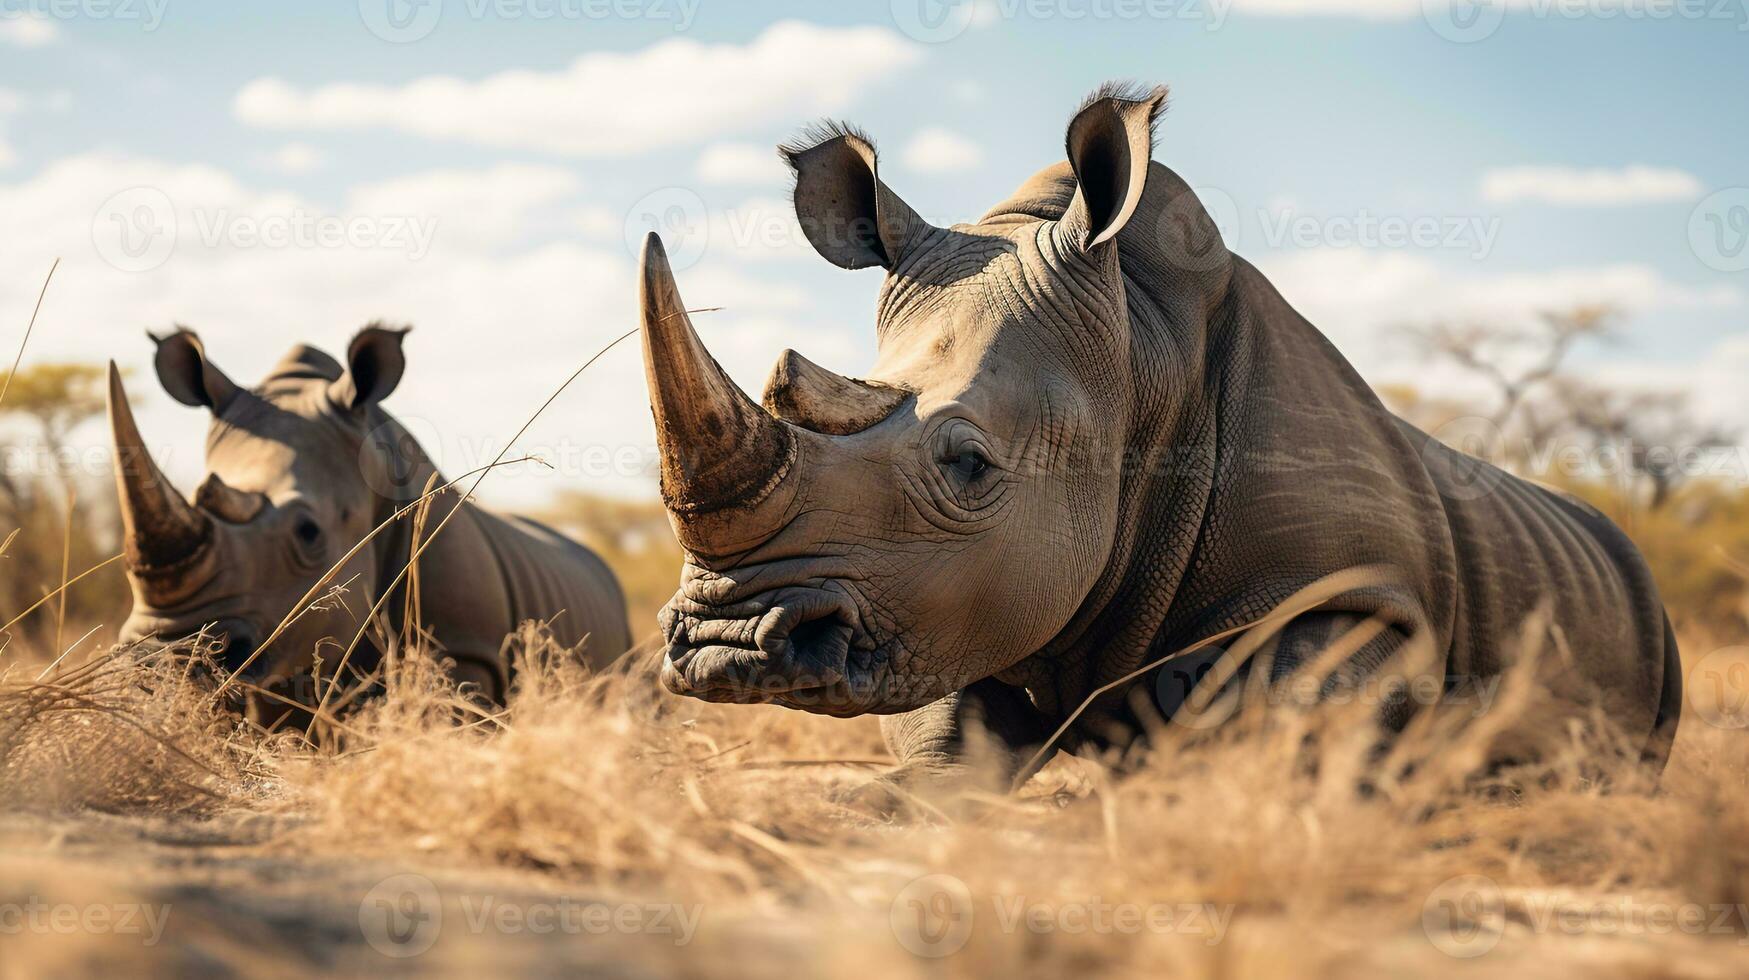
x=1093, y=437
x=300, y=469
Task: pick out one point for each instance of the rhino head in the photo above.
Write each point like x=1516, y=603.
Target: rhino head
x=873, y=545
x=293, y=472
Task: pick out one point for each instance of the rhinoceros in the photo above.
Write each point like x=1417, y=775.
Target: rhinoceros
x=1092, y=437
x=299, y=470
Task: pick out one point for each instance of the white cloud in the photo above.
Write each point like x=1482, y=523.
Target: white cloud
x=7, y=155
x=675, y=92
x=740, y=163
x=501, y=316
x=27, y=31
x=297, y=158
x=1596, y=187
x=487, y=207
x=938, y=150
x=11, y=100
x=597, y=222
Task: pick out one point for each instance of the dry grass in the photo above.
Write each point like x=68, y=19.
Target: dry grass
x=127, y=783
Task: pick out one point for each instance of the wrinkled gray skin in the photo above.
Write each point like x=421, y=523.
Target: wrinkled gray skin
x=1092, y=437
x=300, y=469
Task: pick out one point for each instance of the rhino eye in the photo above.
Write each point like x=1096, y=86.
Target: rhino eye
x=308, y=531
x=968, y=465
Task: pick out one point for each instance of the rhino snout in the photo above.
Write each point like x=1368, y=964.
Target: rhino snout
x=795, y=646
x=238, y=640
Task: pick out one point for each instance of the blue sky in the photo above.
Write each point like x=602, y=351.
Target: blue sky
x=492, y=158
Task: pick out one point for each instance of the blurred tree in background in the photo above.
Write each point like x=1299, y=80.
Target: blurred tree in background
x=1675, y=482
x=58, y=504
x=633, y=536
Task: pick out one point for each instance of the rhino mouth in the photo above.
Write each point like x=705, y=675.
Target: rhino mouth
x=799, y=647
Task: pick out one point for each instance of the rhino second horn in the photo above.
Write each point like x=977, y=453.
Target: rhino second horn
x=808, y=395
x=215, y=496
x=161, y=532
x=719, y=449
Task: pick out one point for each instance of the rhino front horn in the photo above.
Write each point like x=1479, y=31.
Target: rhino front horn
x=162, y=533
x=720, y=450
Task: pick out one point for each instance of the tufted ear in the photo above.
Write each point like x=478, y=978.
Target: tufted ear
x=850, y=217
x=187, y=375
x=1110, y=142
x=374, y=365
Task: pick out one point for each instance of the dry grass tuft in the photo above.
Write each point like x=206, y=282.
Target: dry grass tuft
x=1276, y=844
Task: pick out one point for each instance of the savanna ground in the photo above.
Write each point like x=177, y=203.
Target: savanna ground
x=598, y=824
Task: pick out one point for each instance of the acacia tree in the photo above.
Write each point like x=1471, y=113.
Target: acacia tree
x=1515, y=361
x=1653, y=435
x=1649, y=435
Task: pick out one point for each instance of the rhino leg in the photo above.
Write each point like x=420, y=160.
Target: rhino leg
x=977, y=737
x=1306, y=639
x=481, y=675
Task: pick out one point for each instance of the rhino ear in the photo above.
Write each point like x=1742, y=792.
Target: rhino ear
x=848, y=214
x=186, y=373
x=1110, y=142
x=374, y=365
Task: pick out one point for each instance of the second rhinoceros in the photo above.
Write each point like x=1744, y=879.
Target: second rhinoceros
x=1093, y=436
x=299, y=470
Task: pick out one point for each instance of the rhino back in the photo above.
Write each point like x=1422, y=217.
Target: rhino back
x=548, y=576
x=1523, y=548
x=1314, y=475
